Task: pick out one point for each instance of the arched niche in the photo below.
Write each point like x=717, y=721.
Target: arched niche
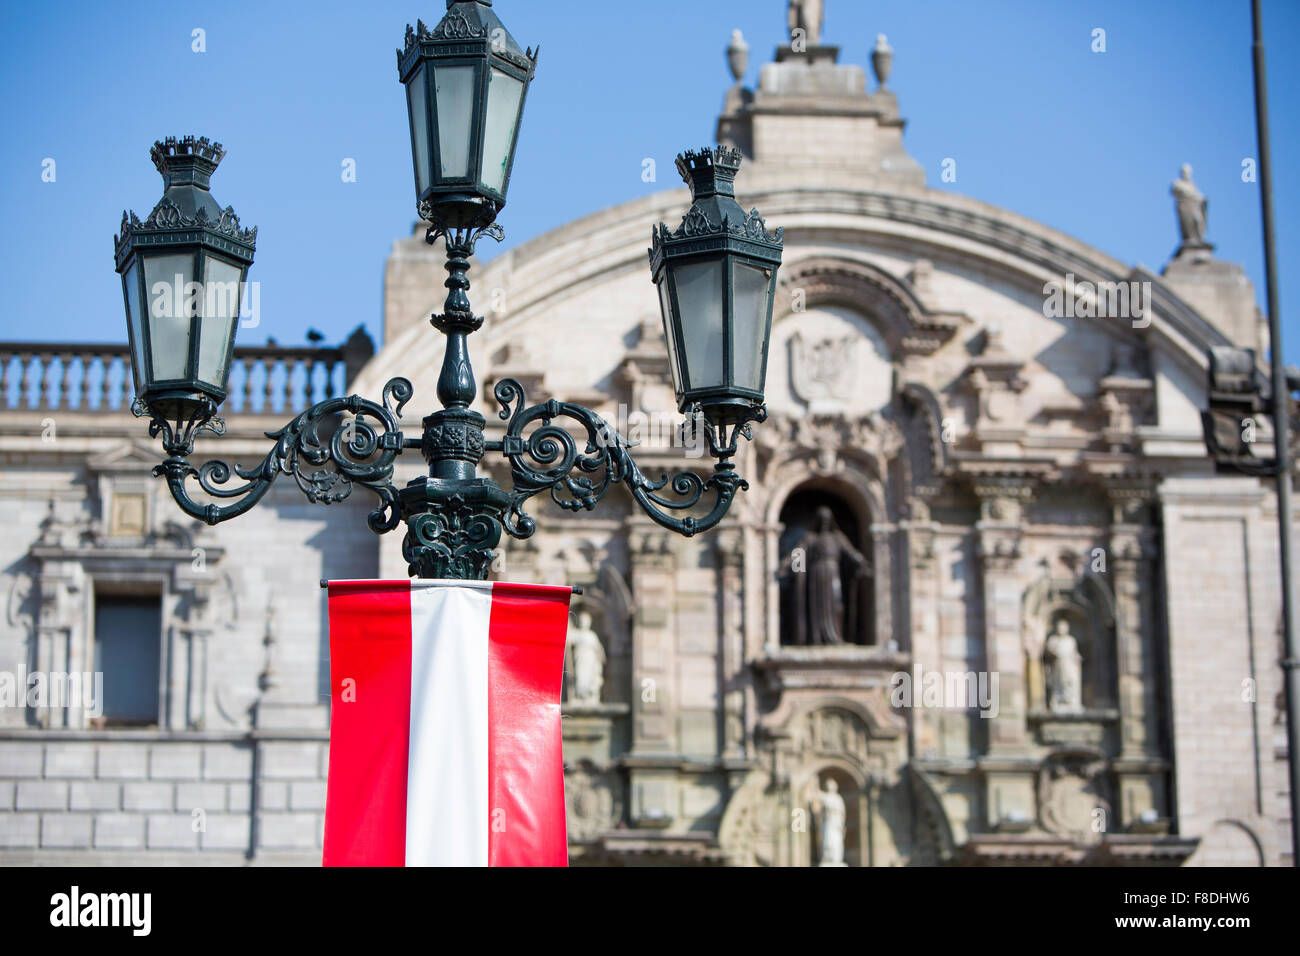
x=864, y=495
x=903, y=322
x=850, y=786
x=1087, y=608
x=824, y=599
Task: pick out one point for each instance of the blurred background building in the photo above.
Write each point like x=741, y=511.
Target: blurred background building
x=983, y=470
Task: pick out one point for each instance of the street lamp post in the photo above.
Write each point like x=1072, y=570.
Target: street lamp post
x=1237, y=393
x=466, y=81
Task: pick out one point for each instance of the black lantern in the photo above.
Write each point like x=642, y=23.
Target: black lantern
x=717, y=281
x=183, y=271
x=466, y=82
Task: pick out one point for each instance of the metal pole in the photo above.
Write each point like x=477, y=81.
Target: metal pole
x=1282, y=439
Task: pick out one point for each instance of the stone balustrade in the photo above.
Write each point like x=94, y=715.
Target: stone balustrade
x=87, y=378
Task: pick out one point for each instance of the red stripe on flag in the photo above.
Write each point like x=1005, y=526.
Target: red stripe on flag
x=370, y=723
x=525, y=756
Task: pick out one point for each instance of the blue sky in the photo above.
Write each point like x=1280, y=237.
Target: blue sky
x=1038, y=123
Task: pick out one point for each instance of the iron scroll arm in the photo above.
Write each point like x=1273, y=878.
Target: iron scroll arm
x=361, y=451
x=548, y=459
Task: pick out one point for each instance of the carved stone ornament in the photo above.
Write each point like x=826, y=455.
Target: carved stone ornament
x=835, y=732
x=749, y=829
x=591, y=803
x=831, y=440
x=822, y=372
x=1072, y=800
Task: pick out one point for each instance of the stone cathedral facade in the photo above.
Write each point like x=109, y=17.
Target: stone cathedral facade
x=1047, y=632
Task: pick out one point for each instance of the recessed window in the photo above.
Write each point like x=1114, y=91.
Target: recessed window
x=128, y=641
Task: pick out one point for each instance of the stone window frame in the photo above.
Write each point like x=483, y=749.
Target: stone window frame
x=67, y=579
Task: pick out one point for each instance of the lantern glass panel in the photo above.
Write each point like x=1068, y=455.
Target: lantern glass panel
x=131, y=286
x=749, y=323
x=418, y=101
x=699, y=304
x=669, y=337
x=504, y=94
x=220, y=312
x=454, y=89
x=166, y=279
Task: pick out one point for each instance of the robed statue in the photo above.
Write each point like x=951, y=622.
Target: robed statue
x=814, y=570
x=586, y=670
x=1192, y=207
x=1064, y=671
x=830, y=821
x=807, y=15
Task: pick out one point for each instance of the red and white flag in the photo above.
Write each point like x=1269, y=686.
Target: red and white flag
x=445, y=742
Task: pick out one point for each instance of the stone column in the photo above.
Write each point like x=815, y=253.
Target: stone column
x=922, y=617
x=651, y=763
x=998, y=537
x=882, y=544
x=1131, y=548
x=188, y=665
x=1141, y=767
x=729, y=544
x=63, y=640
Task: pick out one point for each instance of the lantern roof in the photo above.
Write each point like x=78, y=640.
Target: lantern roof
x=470, y=27
x=715, y=214
x=187, y=212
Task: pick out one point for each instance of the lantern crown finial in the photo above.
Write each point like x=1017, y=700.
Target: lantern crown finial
x=186, y=160
x=466, y=21
x=186, y=164
x=710, y=171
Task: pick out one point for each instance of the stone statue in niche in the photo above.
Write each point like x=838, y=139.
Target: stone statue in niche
x=1064, y=667
x=814, y=565
x=1192, y=207
x=830, y=822
x=1118, y=416
x=808, y=16
x=586, y=670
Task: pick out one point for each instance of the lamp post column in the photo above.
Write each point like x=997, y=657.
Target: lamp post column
x=1281, y=437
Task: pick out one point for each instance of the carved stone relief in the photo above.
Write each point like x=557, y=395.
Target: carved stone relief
x=1072, y=797
x=592, y=803
x=822, y=371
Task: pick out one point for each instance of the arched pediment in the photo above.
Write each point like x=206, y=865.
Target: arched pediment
x=810, y=723
x=850, y=455
x=890, y=304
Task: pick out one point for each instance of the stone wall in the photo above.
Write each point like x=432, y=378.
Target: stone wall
x=123, y=797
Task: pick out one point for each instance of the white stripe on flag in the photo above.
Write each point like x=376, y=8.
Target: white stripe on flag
x=447, y=786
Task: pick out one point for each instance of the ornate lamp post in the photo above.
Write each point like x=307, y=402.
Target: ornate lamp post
x=466, y=82
x=183, y=272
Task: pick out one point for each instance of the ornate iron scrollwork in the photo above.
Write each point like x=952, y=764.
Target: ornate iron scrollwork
x=359, y=451
x=548, y=459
